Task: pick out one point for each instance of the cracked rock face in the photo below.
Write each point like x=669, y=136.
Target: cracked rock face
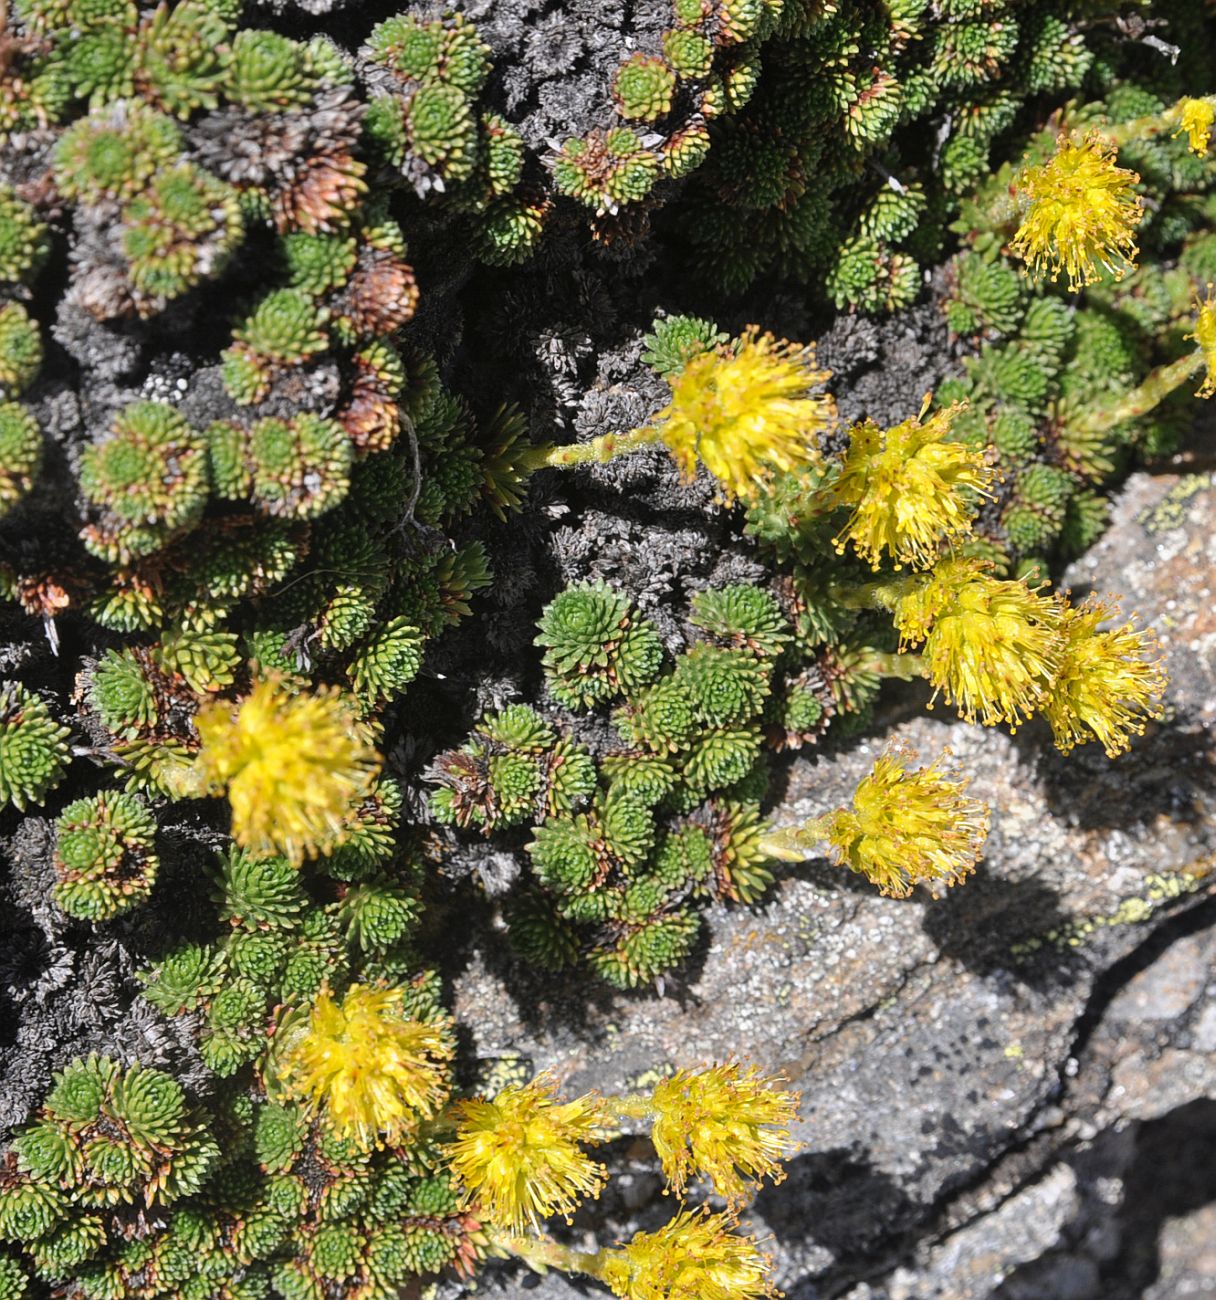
x=1008, y=1091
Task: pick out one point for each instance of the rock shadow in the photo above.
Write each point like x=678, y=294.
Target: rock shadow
x=563, y=1005
x=583, y=1006
x=510, y=1279
x=1170, y=771
x=825, y=875
x=992, y=925
x=1172, y=1174
x=837, y=1200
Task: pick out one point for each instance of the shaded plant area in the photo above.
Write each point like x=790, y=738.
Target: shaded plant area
x=417, y=537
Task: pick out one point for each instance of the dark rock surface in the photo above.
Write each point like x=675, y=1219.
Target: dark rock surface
x=1009, y=1091
x=567, y=341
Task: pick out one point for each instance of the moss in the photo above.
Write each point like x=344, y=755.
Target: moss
x=20, y=349
x=20, y=453
x=23, y=239
x=112, y=154
x=33, y=747
x=147, y=479
x=595, y=646
x=643, y=87
x=104, y=856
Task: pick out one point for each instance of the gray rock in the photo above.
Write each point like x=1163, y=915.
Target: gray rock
x=1006, y=1090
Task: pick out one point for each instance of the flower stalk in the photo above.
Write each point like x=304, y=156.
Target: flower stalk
x=746, y=411
x=1138, y=401
x=543, y=1254
x=1187, y=115
x=599, y=451
x=797, y=843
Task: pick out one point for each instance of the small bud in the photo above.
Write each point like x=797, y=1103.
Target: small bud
x=1205, y=336
x=294, y=766
x=1110, y=681
x=992, y=647
x=907, y=827
x=726, y=1122
x=1082, y=215
x=375, y=1072
x=519, y=1157
x=747, y=413
x=694, y=1257
x=1195, y=118
x=908, y=487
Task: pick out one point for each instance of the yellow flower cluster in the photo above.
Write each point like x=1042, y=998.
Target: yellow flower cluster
x=294, y=766
x=1205, y=336
x=1195, y=119
x=991, y=647
x=727, y=1123
x=1000, y=651
x=747, y=412
x=910, y=488
x=696, y=1256
x=375, y=1073
x=1082, y=212
x=519, y=1156
x=1109, y=682
x=907, y=827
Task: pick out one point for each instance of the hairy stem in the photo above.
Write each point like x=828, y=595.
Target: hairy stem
x=635, y=1106
x=1139, y=401
x=795, y=843
x=871, y=595
x=599, y=451
x=891, y=663
x=543, y=1254
x=1144, y=128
